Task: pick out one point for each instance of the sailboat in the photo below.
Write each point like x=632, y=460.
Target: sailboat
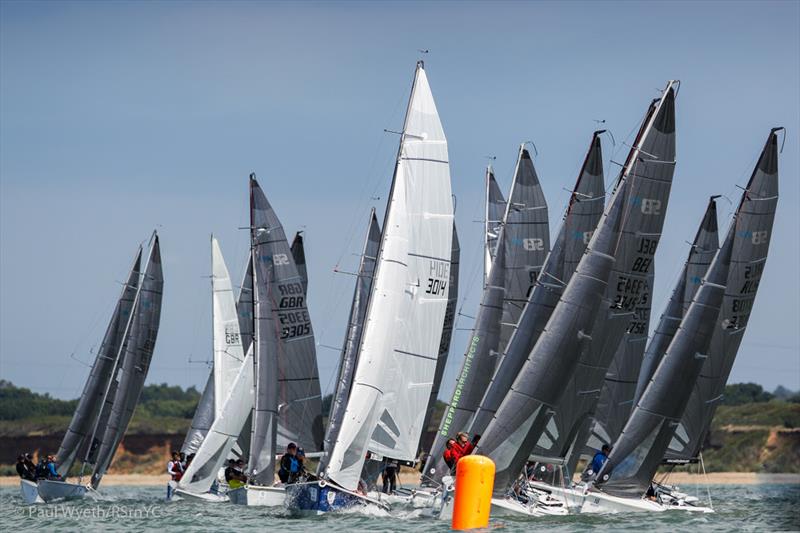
x=288, y=403
x=522, y=234
x=407, y=303
x=232, y=382
x=112, y=389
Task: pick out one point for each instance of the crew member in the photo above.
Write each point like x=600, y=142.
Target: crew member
x=174, y=467
x=599, y=459
x=26, y=469
x=234, y=474
x=291, y=465
x=389, y=475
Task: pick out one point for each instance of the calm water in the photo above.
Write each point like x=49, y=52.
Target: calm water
x=739, y=507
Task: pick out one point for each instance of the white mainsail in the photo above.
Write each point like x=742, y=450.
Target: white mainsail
x=407, y=305
x=233, y=382
x=228, y=352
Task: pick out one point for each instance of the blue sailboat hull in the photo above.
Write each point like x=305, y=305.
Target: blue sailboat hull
x=320, y=497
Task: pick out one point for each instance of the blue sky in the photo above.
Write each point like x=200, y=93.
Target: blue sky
x=119, y=117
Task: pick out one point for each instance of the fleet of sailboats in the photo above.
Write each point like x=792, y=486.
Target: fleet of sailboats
x=559, y=362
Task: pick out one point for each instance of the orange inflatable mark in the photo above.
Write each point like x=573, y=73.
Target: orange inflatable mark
x=473, y=495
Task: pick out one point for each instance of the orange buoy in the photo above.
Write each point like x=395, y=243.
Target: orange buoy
x=473, y=496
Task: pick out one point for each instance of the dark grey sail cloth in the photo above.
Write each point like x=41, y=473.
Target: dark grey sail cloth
x=638, y=451
x=287, y=380
x=527, y=233
x=495, y=209
x=632, y=286
x=299, y=255
x=136, y=360
x=476, y=368
x=580, y=220
x=426, y=440
x=519, y=421
x=94, y=391
x=355, y=327
x=754, y=220
x=703, y=249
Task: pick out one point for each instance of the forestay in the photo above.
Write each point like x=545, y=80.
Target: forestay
x=754, y=220
x=406, y=310
x=84, y=420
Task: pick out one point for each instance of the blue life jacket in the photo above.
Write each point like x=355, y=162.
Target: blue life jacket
x=294, y=465
x=598, y=460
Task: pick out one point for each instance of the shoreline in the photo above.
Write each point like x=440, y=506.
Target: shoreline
x=412, y=479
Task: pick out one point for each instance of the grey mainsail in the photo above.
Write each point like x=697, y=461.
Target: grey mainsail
x=519, y=421
x=299, y=255
x=649, y=169
x=476, y=368
x=447, y=335
x=580, y=220
x=638, y=451
x=136, y=360
x=287, y=381
x=527, y=234
x=754, y=220
x=86, y=414
x=495, y=208
x=355, y=327
x=701, y=252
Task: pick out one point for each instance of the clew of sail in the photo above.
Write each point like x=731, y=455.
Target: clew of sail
x=407, y=305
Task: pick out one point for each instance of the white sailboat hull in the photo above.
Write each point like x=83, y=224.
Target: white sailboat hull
x=409, y=498
x=30, y=492
x=50, y=490
x=595, y=502
x=257, y=496
x=208, y=497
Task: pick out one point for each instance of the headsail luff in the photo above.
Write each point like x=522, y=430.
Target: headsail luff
x=580, y=220
x=136, y=360
x=233, y=387
x=83, y=423
x=527, y=234
x=702, y=251
x=355, y=328
x=495, y=209
x=638, y=451
x=299, y=255
x=444, y=344
x=518, y=423
x=476, y=367
x=754, y=220
x=408, y=300
x=287, y=381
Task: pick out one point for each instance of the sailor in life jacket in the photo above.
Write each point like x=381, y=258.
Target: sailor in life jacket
x=291, y=467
